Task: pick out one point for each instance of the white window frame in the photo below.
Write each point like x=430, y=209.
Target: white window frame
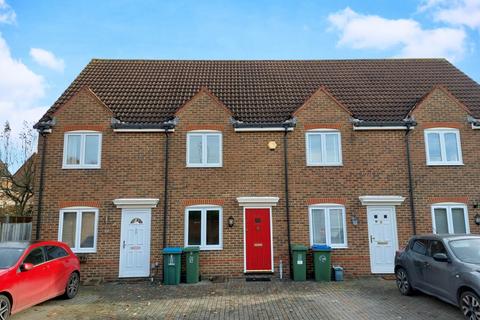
x=78, y=228
x=204, y=134
x=443, y=151
x=82, y=164
x=203, y=227
x=327, y=207
x=322, y=133
x=449, y=206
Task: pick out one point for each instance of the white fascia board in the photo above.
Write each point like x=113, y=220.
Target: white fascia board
x=259, y=129
x=136, y=203
x=355, y=128
x=143, y=130
x=257, y=201
x=381, y=200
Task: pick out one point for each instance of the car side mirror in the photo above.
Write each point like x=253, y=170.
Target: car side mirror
x=26, y=267
x=441, y=257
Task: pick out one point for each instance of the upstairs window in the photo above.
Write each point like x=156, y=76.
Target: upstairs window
x=450, y=218
x=443, y=147
x=204, y=149
x=82, y=150
x=324, y=148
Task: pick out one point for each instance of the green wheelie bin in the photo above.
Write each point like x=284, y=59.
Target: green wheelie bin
x=299, y=262
x=192, y=265
x=321, y=262
x=172, y=258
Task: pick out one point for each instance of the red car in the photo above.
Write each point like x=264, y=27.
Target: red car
x=32, y=272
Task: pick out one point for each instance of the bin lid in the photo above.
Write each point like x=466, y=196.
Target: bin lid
x=191, y=249
x=172, y=250
x=321, y=247
x=337, y=268
x=299, y=247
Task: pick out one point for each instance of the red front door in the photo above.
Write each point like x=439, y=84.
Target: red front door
x=258, y=240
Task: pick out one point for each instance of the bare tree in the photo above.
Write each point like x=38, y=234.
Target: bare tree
x=17, y=188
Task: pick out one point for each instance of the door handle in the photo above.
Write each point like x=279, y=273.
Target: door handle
x=372, y=238
x=123, y=244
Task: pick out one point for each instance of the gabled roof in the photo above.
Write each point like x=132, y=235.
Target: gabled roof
x=151, y=91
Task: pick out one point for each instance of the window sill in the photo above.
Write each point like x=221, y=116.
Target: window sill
x=333, y=247
x=205, y=167
x=325, y=165
x=453, y=164
x=80, y=168
x=211, y=248
x=81, y=251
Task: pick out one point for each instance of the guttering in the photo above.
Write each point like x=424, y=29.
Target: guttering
x=168, y=126
x=363, y=125
x=240, y=126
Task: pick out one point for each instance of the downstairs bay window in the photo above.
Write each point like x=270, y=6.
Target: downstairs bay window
x=328, y=225
x=203, y=227
x=78, y=229
x=450, y=218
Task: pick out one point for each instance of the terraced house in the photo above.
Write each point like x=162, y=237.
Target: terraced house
x=244, y=158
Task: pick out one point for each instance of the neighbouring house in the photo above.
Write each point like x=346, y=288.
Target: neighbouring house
x=243, y=158
x=16, y=190
x=5, y=202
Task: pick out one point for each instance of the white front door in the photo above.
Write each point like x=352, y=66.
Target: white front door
x=382, y=232
x=135, y=243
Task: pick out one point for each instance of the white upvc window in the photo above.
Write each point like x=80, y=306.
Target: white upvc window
x=450, y=218
x=204, y=149
x=78, y=228
x=324, y=148
x=82, y=150
x=203, y=227
x=328, y=225
x=443, y=147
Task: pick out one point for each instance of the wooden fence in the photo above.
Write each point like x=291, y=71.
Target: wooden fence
x=15, y=229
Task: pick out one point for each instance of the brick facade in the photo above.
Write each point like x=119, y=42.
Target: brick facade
x=374, y=163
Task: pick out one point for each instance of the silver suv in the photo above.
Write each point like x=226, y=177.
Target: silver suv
x=445, y=266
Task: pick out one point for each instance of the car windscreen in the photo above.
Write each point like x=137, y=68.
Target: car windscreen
x=467, y=250
x=9, y=256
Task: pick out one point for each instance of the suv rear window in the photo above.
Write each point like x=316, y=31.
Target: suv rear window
x=54, y=252
x=420, y=246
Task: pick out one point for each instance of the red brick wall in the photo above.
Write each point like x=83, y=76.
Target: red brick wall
x=373, y=164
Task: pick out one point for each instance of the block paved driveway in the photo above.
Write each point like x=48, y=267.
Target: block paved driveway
x=371, y=298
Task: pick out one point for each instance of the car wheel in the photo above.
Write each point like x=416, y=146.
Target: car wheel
x=72, y=286
x=470, y=305
x=403, y=282
x=4, y=307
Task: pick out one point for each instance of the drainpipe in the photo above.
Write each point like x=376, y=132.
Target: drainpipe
x=409, y=124
x=165, y=191
x=41, y=183
x=287, y=199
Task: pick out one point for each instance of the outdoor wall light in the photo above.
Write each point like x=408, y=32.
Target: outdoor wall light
x=477, y=219
x=354, y=220
x=272, y=145
x=231, y=221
